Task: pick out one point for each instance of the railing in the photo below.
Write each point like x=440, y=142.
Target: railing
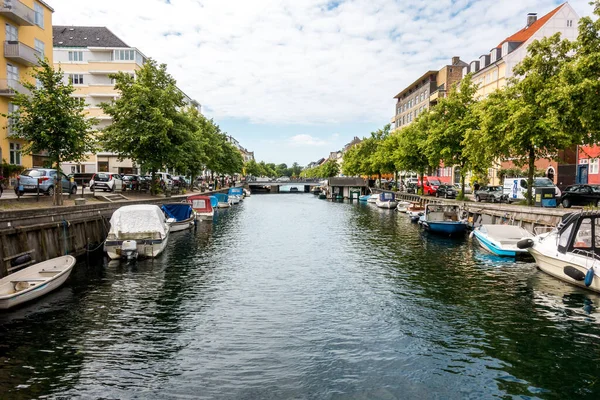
x=9, y=87
x=19, y=11
x=17, y=50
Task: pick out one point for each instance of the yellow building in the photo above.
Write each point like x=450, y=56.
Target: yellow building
x=27, y=36
x=87, y=56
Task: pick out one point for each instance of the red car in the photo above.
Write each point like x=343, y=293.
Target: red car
x=430, y=185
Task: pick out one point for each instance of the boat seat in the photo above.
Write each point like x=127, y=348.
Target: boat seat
x=18, y=283
x=50, y=271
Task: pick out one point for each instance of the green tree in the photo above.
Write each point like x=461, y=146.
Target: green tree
x=296, y=169
x=148, y=124
x=51, y=119
x=193, y=155
x=252, y=168
x=410, y=151
x=330, y=169
x=448, y=124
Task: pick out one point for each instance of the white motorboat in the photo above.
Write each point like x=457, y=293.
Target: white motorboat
x=247, y=193
x=180, y=216
x=386, y=200
x=373, y=198
x=233, y=199
x=138, y=230
x=34, y=281
x=501, y=240
x=403, y=206
x=571, y=251
x=222, y=200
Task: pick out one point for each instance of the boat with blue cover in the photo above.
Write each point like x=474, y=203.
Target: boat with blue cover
x=214, y=202
x=180, y=216
x=386, y=200
x=222, y=200
x=443, y=219
x=501, y=240
x=236, y=194
x=364, y=197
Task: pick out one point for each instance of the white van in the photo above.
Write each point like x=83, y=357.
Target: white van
x=516, y=188
x=165, y=179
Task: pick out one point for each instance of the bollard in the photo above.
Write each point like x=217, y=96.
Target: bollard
x=19, y=188
x=37, y=197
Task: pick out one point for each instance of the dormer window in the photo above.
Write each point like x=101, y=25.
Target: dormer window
x=504, y=49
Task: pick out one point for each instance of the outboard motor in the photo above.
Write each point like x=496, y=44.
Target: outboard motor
x=129, y=249
x=525, y=243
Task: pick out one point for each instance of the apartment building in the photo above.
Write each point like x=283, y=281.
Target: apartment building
x=88, y=56
x=425, y=92
x=492, y=71
x=27, y=37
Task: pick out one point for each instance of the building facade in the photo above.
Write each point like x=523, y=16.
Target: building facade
x=87, y=57
x=27, y=36
x=425, y=92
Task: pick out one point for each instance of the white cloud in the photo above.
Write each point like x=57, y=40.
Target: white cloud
x=306, y=140
x=290, y=61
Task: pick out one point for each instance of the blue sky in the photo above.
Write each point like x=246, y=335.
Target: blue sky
x=295, y=79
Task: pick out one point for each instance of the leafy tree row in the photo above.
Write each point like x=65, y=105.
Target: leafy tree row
x=328, y=169
x=550, y=104
x=252, y=168
x=152, y=125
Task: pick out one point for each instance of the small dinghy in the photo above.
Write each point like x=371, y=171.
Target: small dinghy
x=214, y=202
x=443, y=219
x=386, y=200
x=364, y=197
x=373, y=198
x=222, y=200
x=403, y=206
x=501, y=240
x=202, y=207
x=180, y=216
x=34, y=281
x=247, y=193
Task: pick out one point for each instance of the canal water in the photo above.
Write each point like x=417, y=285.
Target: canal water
x=290, y=297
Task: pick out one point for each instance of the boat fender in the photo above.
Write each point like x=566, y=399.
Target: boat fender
x=25, y=258
x=525, y=243
x=574, y=273
x=471, y=234
x=589, y=277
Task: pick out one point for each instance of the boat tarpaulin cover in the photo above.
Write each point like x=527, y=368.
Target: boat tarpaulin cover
x=138, y=222
x=213, y=201
x=179, y=211
x=237, y=191
x=221, y=197
x=385, y=196
x=201, y=203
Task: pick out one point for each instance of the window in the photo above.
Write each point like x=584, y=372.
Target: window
x=12, y=33
x=583, y=161
x=494, y=75
x=12, y=73
x=15, y=153
x=593, y=166
x=76, y=56
x=11, y=109
x=569, y=23
x=39, y=14
x=76, y=79
x=583, y=239
x=41, y=47
x=124, y=55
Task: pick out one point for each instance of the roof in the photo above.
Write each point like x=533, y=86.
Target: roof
x=425, y=75
x=347, y=181
x=85, y=36
x=524, y=34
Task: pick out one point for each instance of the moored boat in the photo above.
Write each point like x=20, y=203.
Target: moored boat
x=443, y=219
x=236, y=192
x=34, y=281
x=222, y=200
x=364, y=197
x=202, y=206
x=247, y=193
x=180, y=216
x=403, y=206
x=214, y=202
x=501, y=240
x=373, y=198
x=386, y=200
x=138, y=230
x=571, y=251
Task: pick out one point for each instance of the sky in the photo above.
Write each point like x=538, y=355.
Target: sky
x=293, y=80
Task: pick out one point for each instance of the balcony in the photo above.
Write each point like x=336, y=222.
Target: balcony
x=435, y=96
x=9, y=87
x=17, y=12
x=21, y=53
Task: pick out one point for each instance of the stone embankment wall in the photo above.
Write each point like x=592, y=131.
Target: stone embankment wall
x=46, y=233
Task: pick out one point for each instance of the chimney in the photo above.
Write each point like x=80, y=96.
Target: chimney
x=531, y=18
x=455, y=60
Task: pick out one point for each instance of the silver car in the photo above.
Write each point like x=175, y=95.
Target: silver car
x=28, y=182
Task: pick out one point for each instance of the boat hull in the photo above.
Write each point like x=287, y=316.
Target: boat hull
x=389, y=204
x=204, y=216
x=364, y=198
x=148, y=248
x=445, y=228
x=37, y=289
x=223, y=204
x=555, y=266
x=495, y=248
x=182, y=225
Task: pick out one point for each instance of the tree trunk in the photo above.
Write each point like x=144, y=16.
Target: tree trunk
x=153, y=183
x=396, y=180
x=422, y=172
x=462, y=181
x=530, y=174
x=58, y=198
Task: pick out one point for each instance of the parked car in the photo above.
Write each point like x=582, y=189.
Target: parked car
x=446, y=191
x=430, y=185
x=580, y=195
x=164, y=180
x=131, y=182
x=179, y=181
x=411, y=187
x=468, y=189
x=495, y=194
x=28, y=181
x=106, y=181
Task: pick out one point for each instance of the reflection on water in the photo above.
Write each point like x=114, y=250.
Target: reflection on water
x=288, y=296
